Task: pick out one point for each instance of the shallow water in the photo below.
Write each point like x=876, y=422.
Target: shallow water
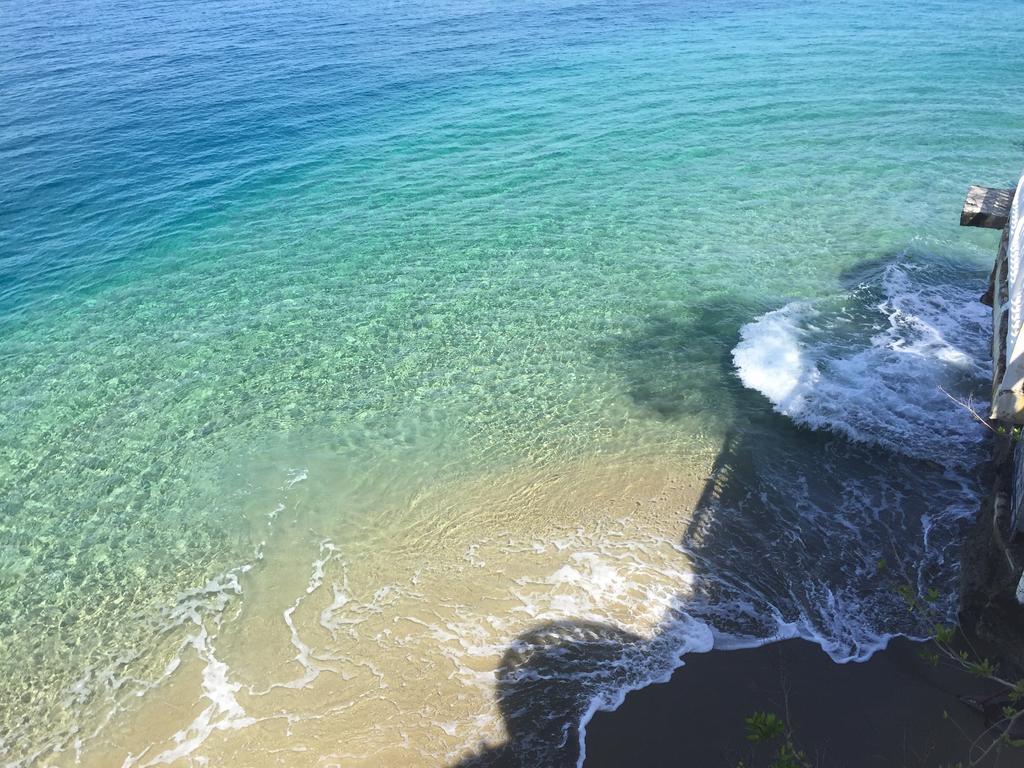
x=341, y=346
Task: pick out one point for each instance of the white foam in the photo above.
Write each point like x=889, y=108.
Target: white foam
x=884, y=386
x=303, y=652
x=770, y=359
x=223, y=712
x=684, y=635
x=295, y=476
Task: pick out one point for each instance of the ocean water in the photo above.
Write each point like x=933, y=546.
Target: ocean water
x=396, y=383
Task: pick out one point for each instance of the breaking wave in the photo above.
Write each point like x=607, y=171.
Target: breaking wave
x=811, y=530
x=876, y=364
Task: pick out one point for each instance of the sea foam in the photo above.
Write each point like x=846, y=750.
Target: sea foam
x=880, y=372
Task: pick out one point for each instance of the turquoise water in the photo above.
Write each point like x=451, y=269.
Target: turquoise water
x=390, y=246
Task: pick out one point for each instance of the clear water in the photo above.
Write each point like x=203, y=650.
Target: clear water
x=378, y=287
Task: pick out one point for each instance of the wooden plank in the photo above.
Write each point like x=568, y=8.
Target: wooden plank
x=986, y=207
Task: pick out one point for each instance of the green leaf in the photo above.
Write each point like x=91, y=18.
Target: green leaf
x=789, y=757
x=1017, y=693
x=983, y=668
x=763, y=726
x=943, y=634
x=908, y=595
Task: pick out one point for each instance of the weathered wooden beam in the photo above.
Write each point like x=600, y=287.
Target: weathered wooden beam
x=986, y=207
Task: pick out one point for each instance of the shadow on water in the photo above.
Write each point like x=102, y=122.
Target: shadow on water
x=678, y=365
x=543, y=687
x=549, y=675
x=786, y=539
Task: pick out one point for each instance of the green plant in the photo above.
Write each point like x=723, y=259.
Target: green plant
x=766, y=728
x=1006, y=707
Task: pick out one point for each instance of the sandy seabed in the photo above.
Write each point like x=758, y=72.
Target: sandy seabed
x=386, y=655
